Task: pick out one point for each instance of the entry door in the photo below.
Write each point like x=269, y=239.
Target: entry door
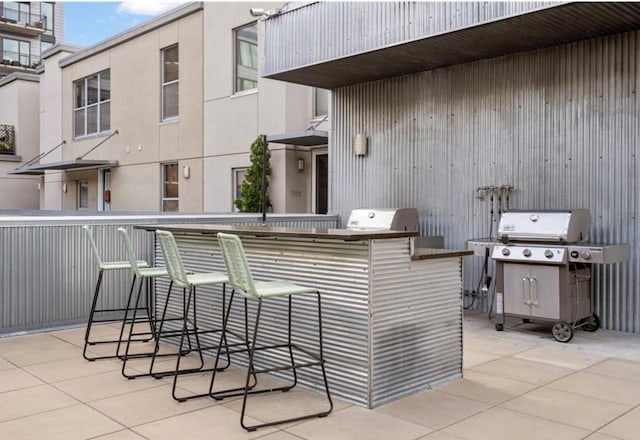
x=106, y=190
x=320, y=181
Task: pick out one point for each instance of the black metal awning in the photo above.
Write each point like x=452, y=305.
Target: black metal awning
x=554, y=25
x=65, y=165
x=307, y=138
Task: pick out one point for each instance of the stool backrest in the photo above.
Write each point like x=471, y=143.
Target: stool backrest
x=92, y=245
x=131, y=255
x=237, y=265
x=172, y=259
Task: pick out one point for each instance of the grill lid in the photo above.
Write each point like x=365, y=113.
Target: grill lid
x=558, y=226
x=386, y=219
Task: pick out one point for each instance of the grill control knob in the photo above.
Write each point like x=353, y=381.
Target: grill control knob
x=586, y=255
x=548, y=253
x=575, y=254
x=526, y=253
x=506, y=252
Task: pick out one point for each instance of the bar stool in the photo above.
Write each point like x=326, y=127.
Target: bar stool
x=102, y=267
x=143, y=274
x=241, y=280
x=187, y=280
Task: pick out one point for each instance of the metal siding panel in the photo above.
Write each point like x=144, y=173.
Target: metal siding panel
x=338, y=269
x=559, y=124
x=407, y=358
x=326, y=31
x=47, y=272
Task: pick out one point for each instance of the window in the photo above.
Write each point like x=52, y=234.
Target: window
x=170, y=187
x=92, y=104
x=170, y=82
x=16, y=51
x=16, y=11
x=46, y=10
x=238, y=178
x=83, y=194
x=246, y=58
x=320, y=102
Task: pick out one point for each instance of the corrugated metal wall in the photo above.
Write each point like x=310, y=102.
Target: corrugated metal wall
x=329, y=30
x=377, y=347
x=561, y=125
x=47, y=273
x=416, y=321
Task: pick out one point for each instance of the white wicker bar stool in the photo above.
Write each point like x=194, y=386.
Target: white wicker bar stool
x=122, y=313
x=191, y=281
x=241, y=280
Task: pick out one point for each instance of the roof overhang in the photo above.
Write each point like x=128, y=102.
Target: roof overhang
x=307, y=138
x=547, y=27
x=66, y=165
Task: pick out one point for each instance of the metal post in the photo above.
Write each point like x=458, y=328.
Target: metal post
x=264, y=179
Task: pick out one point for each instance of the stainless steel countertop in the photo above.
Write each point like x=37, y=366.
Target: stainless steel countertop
x=276, y=231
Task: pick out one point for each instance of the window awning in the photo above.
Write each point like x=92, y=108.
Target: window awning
x=307, y=138
x=65, y=165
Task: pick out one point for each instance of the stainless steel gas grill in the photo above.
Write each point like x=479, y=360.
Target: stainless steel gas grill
x=385, y=219
x=542, y=268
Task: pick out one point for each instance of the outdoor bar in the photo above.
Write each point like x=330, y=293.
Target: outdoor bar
x=392, y=315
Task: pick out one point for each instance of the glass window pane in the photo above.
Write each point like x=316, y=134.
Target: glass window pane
x=79, y=93
x=247, y=58
x=170, y=64
x=79, y=123
x=170, y=205
x=321, y=102
x=170, y=101
x=10, y=50
x=83, y=195
x=92, y=119
x=44, y=46
x=10, y=10
x=105, y=85
x=105, y=116
x=92, y=90
x=46, y=9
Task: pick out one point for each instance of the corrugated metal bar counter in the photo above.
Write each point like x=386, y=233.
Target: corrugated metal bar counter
x=392, y=323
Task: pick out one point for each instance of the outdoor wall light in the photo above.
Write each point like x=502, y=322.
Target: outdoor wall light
x=257, y=12
x=360, y=145
x=186, y=171
x=301, y=165
x=64, y=187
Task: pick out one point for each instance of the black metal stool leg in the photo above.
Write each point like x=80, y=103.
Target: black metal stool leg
x=91, y=315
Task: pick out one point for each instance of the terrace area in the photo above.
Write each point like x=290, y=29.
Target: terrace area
x=516, y=385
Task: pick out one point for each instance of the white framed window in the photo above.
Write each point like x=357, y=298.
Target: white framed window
x=170, y=181
x=170, y=82
x=238, y=178
x=320, y=102
x=16, y=51
x=246, y=57
x=83, y=195
x=92, y=104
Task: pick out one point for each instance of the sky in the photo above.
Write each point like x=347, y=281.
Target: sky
x=87, y=23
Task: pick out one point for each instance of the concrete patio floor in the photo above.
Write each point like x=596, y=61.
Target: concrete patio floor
x=517, y=385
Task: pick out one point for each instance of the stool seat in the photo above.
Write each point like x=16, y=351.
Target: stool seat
x=201, y=279
x=113, y=265
x=151, y=272
x=265, y=289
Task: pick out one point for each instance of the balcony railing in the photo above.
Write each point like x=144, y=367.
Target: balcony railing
x=13, y=15
x=12, y=58
x=7, y=139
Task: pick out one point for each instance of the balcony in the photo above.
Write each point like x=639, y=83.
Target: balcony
x=12, y=62
x=21, y=22
x=7, y=140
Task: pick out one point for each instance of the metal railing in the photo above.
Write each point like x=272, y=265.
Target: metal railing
x=7, y=139
x=13, y=58
x=14, y=15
